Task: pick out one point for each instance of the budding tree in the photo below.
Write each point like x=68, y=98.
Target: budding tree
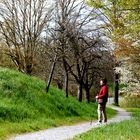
x=22, y=23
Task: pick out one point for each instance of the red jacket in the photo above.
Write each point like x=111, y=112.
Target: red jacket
x=103, y=94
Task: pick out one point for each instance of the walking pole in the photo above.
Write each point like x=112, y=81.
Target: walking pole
x=96, y=101
x=91, y=119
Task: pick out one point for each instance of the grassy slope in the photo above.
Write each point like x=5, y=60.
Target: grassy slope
x=24, y=105
x=126, y=130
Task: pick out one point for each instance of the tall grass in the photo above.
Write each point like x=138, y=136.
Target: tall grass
x=131, y=100
x=24, y=105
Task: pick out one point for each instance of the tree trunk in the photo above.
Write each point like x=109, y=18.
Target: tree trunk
x=51, y=74
x=66, y=83
x=60, y=84
x=80, y=91
x=66, y=77
x=87, y=95
x=116, y=89
x=28, y=68
x=116, y=92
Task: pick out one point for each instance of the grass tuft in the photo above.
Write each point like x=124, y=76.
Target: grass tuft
x=131, y=101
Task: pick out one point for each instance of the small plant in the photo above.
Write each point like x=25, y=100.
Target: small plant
x=131, y=100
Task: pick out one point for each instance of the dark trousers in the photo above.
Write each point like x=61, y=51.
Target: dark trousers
x=102, y=112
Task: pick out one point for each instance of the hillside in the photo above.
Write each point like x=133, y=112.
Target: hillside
x=24, y=105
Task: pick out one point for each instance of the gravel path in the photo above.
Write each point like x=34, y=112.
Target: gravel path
x=68, y=132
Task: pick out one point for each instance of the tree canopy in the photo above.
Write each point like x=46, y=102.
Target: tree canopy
x=122, y=20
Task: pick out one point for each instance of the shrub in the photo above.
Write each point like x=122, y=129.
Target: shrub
x=131, y=101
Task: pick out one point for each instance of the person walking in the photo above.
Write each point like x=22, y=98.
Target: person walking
x=102, y=99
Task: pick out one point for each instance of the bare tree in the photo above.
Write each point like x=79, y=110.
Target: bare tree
x=67, y=13
x=22, y=23
x=75, y=40
x=78, y=44
x=63, y=10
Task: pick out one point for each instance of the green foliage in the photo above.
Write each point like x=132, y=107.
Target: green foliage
x=121, y=86
x=122, y=18
x=23, y=97
x=97, y=3
x=122, y=14
x=117, y=131
x=131, y=100
x=111, y=88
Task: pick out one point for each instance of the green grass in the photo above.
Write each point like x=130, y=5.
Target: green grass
x=25, y=107
x=111, y=88
x=126, y=130
x=129, y=101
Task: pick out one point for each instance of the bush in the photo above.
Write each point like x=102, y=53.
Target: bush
x=131, y=101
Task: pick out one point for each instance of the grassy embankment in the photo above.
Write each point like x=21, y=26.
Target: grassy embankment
x=126, y=130
x=25, y=107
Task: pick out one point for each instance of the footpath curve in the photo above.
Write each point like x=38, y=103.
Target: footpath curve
x=68, y=132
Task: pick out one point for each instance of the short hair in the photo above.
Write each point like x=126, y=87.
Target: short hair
x=104, y=80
